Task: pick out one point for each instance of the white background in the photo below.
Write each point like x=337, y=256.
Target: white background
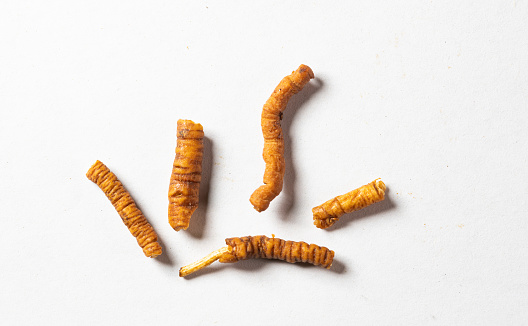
x=430, y=96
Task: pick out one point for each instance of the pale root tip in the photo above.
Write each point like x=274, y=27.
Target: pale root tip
x=206, y=261
x=184, y=271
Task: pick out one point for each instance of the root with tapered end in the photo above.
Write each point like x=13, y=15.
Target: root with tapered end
x=204, y=262
x=261, y=246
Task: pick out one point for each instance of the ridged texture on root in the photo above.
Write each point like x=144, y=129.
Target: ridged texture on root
x=134, y=220
x=275, y=248
x=273, y=152
x=184, y=188
x=329, y=212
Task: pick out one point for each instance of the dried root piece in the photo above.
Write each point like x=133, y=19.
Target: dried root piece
x=273, y=153
x=264, y=247
x=328, y=213
x=186, y=175
x=126, y=207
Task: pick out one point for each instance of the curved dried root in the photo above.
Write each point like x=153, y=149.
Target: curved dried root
x=273, y=152
x=186, y=175
x=328, y=213
x=263, y=247
x=134, y=220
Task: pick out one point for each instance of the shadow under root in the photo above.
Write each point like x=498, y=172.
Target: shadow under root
x=197, y=224
x=164, y=258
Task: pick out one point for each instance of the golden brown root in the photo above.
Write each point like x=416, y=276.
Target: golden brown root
x=261, y=246
x=328, y=213
x=132, y=217
x=273, y=152
x=186, y=175
x=206, y=261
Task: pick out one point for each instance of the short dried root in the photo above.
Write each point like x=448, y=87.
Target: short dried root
x=326, y=214
x=184, y=187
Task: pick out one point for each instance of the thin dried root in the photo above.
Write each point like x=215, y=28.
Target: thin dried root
x=263, y=247
x=204, y=262
x=273, y=153
x=328, y=213
x=132, y=217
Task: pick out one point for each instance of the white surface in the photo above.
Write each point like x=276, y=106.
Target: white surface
x=430, y=96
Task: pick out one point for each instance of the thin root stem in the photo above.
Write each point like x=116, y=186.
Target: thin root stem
x=206, y=261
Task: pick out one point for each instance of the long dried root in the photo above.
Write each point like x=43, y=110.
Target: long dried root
x=186, y=175
x=273, y=152
x=134, y=220
x=263, y=247
x=329, y=212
